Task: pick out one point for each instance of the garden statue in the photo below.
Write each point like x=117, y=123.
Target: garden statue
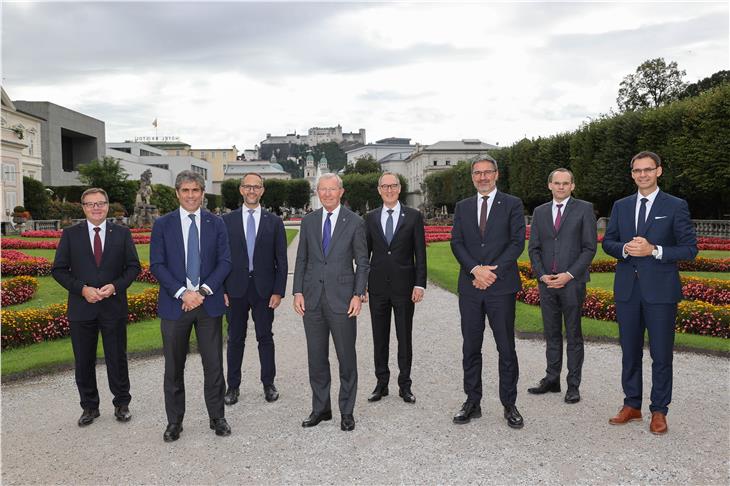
x=145, y=212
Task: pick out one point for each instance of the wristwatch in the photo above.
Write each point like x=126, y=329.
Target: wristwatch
x=203, y=291
x=655, y=252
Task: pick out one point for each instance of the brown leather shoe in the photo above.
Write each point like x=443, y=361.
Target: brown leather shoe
x=625, y=415
x=658, y=425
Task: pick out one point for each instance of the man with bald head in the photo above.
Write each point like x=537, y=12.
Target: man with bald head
x=327, y=294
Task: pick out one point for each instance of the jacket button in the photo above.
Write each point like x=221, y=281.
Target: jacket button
x=321, y=281
x=389, y=253
x=482, y=245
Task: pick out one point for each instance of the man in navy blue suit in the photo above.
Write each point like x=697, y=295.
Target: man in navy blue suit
x=648, y=233
x=487, y=238
x=257, y=283
x=190, y=257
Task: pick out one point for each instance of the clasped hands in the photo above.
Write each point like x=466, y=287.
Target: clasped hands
x=191, y=299
x=556, y=281
x=484, y=276
x=638, y=247
x=94, y=295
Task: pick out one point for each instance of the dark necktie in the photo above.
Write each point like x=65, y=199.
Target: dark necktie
x=641, y=223
x=193, y=267
x=250, y=238
x=558, y=218
x=389, y=227
x=97, y=247
x=326, y=234
x=483, y=217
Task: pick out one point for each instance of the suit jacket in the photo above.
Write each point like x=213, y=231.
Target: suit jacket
x=74, y=266
x=167, y=262
x=269, y=256
x=669, y=226
x=334, y=273
x=503, y=243
x=573, y=246
x=398, y=267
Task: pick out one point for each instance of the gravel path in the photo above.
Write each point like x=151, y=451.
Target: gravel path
x=393, y=442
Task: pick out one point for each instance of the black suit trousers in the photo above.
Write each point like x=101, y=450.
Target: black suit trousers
x=84, y=339
x=175, y=344
x=263, y=317
x=500, y=310
x=557, y=305
x=381, y=308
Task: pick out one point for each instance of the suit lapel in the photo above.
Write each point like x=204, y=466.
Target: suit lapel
x=84, y=230
x=401, y=221
x=654, y=210
x=318, y=230
x=109, y=235
x=376, y=221
x=263, y=225
x=567, y=213
x=342, y=221
x=472, y=215
x=494, y=212
x=207, y=244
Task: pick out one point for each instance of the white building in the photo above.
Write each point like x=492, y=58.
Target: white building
x=312, y=174
x=381, y=149
x=317, y=135
x=135, y=158
x=439, y=156
x=21, y=154
x=267, y=170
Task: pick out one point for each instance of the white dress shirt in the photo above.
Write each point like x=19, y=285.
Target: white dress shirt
x=92, y=233
x=384, y=216
x=185, y=222
x=490, y=201
x=333, y=218
x=562, y=209
x=651, y=197
x=256, y=218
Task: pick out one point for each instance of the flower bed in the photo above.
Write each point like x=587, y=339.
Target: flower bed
x=17, y=290
x=17, y=263
x=15, y=243
x=57, y=234
x=35, y=325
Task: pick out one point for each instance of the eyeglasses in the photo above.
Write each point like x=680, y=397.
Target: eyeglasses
x=643, y=171
x=389, y=187
x=252, y=188
x=101, y=204
x=479, y=173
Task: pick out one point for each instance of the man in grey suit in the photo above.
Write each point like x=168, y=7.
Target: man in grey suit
x=328, y=294
x=562, y=245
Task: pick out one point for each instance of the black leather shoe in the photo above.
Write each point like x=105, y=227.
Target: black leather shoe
x=348, y=422
x=88, y=416
x=315, y=418
x=221, y=427
x=122, y=413
x=545, y=386
x=172, y=432
x=468, y=411
x=407, y=395
x=271, y=394
x=514, y=419
x=231, y=396
x=572, y=395
x=379, y=392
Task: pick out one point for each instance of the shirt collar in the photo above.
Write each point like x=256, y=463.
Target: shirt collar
x=396, y=208
x=256, y=210
x=490, y=194
x=184, y=214
x=650, y=197
x=91, y=226
x=335, y=212
x=564, y=203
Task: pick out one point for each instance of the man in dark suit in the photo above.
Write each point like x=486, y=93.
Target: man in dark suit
x=648, y=233
x=487, y=238
x=256, y=283
x=96, y=261
x=190, y=256
x=328, y=293
x=397, y=280
x=562, y=245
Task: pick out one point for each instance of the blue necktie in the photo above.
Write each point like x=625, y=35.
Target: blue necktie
x=193, y=270
x=641, y=224
x=250, y=238
x=327, y=234
x=389, y=227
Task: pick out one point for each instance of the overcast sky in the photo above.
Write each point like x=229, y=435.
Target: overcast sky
x=219, y=74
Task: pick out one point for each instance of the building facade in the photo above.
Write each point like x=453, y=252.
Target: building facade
x=381, y=149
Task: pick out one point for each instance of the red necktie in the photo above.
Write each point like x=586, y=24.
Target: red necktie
x=97, y=247
x=483, y=217
x=558, y=220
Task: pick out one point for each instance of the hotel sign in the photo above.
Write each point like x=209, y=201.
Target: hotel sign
x=157, y=139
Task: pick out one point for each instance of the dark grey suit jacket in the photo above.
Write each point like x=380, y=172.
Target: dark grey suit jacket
x=334, y=273
x=574, y=245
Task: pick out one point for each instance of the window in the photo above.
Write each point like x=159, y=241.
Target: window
x=200, y=170
x=9, y=173
x=202, y=155
x=11, y=200
x=177, y=152
x=212, y=155
x=435, y=163
x=67, y=154
x=31, y=145
x=448, y=162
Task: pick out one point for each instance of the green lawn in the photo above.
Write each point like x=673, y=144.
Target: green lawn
x=443, y=269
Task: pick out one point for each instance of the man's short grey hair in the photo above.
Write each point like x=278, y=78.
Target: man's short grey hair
x=330, y=175
x=189, y=176
x=483, y=158
x=561, y=169
x=380, y=179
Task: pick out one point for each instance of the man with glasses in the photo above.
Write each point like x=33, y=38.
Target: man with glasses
x=397, y=280
x=487, y=238
x=96, y=261
x=327, y=294
x=649, y=233
x=256, y=283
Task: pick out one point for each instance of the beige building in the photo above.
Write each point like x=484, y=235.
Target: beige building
x=218, y=160
x=21, y=154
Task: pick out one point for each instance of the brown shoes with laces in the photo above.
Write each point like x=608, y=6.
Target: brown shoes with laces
x=658, y=425
x=625, y=415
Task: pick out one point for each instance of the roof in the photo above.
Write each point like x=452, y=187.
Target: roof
x=262, y=167
x=468, y=144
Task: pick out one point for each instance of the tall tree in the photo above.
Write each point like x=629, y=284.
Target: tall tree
x=705, y=84
x=364, y=165
x=654, y=84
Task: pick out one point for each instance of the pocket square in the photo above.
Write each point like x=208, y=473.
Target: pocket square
x=659, y=217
